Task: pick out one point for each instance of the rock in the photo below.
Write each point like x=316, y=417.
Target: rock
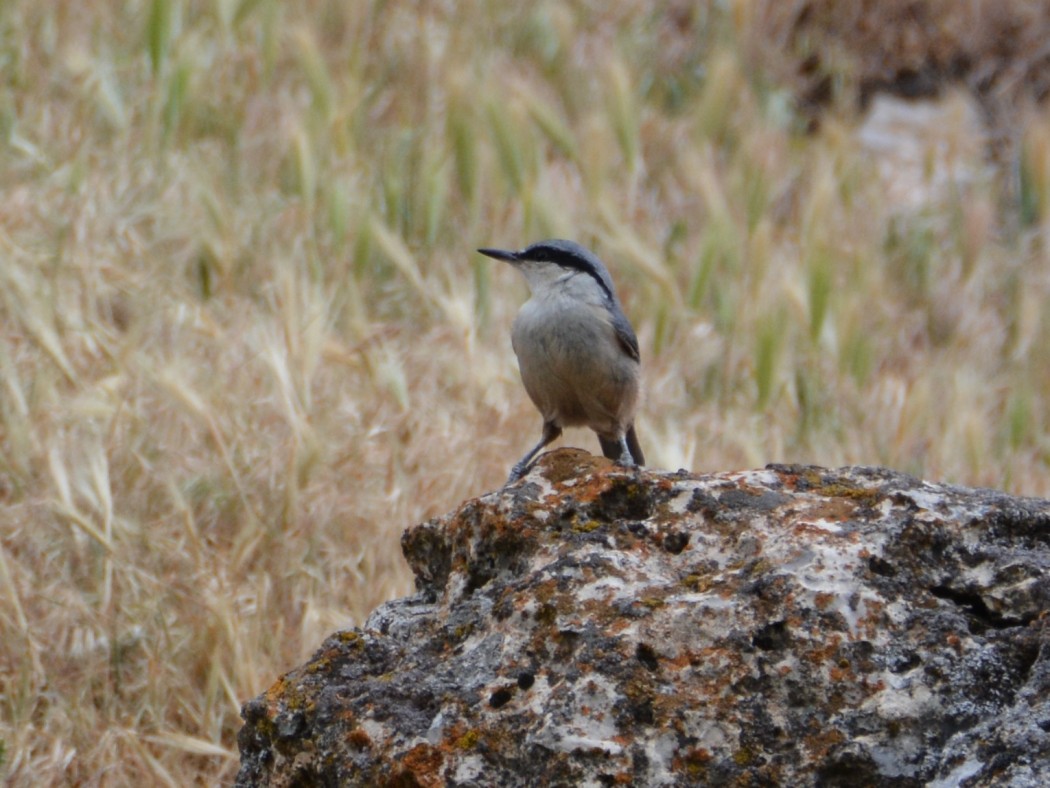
x=595, y=625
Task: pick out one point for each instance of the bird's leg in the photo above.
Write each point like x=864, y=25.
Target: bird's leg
x=550, y=432
x=626, y=459
x=618, y=449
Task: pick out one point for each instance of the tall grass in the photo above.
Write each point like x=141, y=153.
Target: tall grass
x=245, y=340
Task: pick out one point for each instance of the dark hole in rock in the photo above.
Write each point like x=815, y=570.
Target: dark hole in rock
x=647, y=657
x=904, y=662
x=500, y=697
x=676, y=541
x=624, y=500
x=771, y=637
x=643, y=712
x=981, y=616
x=880, y=566
x=526, y=680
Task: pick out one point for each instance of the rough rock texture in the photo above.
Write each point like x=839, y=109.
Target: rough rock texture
x=828, y=49
x=599, y=626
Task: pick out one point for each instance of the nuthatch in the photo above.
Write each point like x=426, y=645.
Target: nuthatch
x=576, y=350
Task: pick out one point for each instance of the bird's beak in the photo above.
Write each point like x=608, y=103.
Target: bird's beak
x=499, y=254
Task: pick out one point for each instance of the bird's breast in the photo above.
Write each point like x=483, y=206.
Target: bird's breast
x=572, y=364
x=557, y=330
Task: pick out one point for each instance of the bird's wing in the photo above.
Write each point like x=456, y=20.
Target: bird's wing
x=625, y=336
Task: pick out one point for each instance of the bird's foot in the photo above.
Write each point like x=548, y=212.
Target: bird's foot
x=516, y=473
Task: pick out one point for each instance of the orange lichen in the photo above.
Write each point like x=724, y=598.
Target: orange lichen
x=423, y=763
x=359, y=738
x=823, y=599
x=819, y=743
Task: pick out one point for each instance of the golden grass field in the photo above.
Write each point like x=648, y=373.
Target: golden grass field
x=245, y=339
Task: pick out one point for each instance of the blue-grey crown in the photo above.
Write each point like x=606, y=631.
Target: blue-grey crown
x=569, y=254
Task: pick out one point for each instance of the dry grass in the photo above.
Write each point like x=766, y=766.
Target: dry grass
x=245, y=341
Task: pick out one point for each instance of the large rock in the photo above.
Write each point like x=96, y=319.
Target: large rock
x=601, y=626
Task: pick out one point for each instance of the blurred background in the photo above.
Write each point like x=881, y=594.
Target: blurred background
x=245, y=339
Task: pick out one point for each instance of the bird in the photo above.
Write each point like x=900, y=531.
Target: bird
x=577, y=352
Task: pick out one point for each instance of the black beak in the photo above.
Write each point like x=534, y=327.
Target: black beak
x=499, y=254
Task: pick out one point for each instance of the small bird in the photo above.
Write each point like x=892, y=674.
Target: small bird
x=576, y=350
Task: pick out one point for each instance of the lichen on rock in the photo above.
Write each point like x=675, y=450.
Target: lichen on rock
x=594, y=625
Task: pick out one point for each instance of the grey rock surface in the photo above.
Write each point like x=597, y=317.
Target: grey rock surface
x=593, y=625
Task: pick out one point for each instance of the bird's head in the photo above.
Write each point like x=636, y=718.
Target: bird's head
x=546, y=262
